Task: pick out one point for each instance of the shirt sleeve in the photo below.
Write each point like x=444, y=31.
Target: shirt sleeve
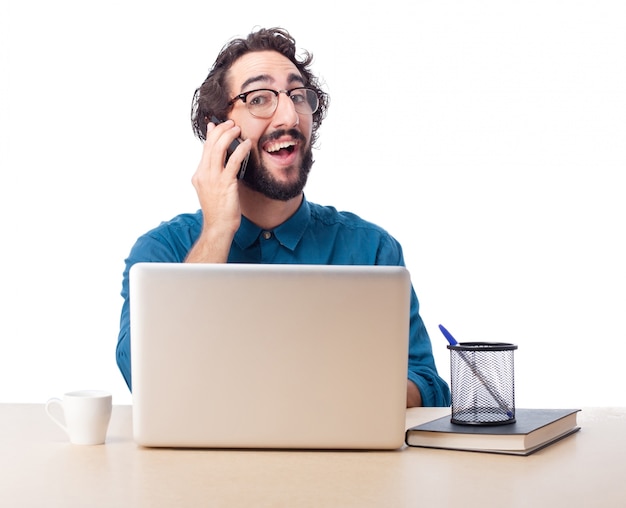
x=421, y=365
x=151, y=247
x=422, y=369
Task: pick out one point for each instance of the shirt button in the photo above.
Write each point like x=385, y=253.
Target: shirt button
x=267, y=235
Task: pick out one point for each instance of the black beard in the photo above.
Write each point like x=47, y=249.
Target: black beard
x=259, y=179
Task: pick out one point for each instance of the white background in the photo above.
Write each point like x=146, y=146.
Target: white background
x=489, y=137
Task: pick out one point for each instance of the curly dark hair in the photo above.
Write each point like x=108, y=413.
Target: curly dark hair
x=211, y=98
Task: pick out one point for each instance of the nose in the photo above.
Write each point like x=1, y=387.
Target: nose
x=285, y=115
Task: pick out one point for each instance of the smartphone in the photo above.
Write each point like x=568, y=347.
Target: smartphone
x=231, y=149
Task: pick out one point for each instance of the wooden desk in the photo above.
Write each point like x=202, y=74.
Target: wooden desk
x=38, y=467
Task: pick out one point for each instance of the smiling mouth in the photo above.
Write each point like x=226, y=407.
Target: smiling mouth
x=281, y=147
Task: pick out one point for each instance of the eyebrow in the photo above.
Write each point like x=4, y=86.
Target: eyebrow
x=292, y=78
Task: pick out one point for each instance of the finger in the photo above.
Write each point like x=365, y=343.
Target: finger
x=213, y=166
x=237, y=157
x=215, y=145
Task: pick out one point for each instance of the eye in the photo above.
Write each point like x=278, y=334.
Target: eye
x=298, y=96
x=259, y=98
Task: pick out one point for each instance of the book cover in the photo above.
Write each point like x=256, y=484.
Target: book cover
x=533, y=429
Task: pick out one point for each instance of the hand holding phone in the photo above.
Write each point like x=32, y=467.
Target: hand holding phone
x=231, y=149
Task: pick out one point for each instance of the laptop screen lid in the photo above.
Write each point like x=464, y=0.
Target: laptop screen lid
x=269, y=356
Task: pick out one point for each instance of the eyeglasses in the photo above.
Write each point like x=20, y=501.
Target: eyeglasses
x=263, y=102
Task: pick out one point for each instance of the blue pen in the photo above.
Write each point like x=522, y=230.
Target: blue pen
x=448, y=336
x=453, y=342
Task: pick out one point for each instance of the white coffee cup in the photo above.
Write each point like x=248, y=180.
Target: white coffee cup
x=87, y=414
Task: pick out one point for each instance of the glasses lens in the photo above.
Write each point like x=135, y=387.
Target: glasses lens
x=261, y=103
x=305, y=100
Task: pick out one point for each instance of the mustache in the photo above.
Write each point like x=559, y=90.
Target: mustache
x=294, y=133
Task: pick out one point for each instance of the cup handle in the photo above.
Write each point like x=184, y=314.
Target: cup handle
x=50, y=403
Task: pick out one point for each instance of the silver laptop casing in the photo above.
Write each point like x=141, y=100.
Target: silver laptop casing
x=269, y=356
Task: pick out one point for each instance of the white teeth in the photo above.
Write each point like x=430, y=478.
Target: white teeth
x=277, y=146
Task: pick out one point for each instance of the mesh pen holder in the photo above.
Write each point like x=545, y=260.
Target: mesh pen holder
x=482, y=383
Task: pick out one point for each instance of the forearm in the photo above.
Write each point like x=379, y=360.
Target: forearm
x=211, y=247
x=413, y=395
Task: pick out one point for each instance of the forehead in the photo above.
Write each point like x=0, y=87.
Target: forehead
x=262, y=68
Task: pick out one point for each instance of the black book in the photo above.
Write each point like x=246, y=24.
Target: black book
x=533, y=430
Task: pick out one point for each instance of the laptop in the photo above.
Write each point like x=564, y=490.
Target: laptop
x=269, y=356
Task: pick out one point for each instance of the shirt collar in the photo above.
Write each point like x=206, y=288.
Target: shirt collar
x=288, y=233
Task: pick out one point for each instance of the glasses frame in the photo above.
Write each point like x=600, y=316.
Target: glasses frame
x=243, y=97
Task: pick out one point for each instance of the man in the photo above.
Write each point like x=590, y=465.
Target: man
x=268, y=97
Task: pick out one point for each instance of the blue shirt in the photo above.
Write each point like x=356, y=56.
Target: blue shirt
x=313, y=235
